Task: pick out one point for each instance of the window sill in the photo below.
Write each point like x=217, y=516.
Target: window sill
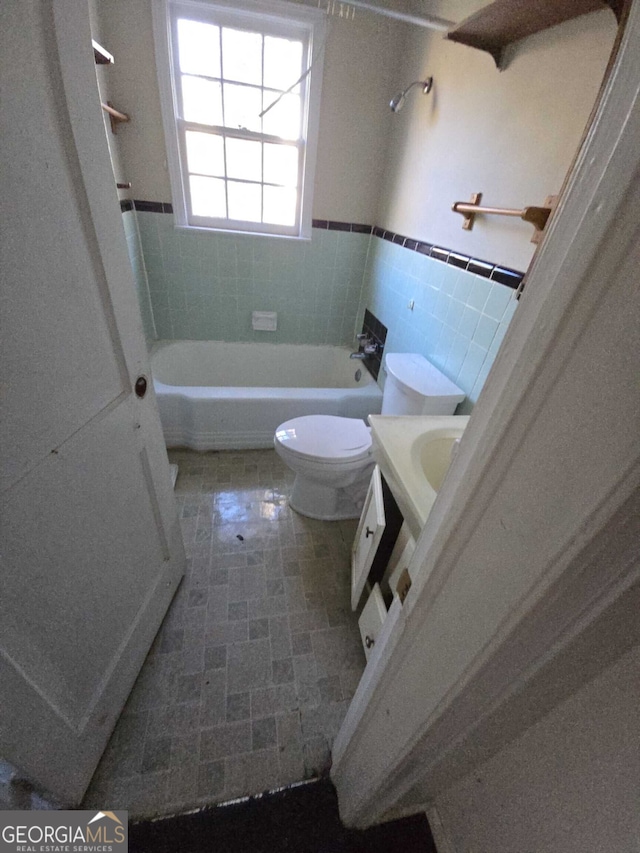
x=305, y=238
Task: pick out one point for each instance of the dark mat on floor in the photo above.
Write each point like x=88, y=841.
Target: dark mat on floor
x=298, y=820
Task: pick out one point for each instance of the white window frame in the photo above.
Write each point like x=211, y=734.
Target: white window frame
x=272, y=17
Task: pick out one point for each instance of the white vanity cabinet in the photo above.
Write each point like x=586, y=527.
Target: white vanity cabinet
x=378, y=546
x=372, y=619
x=368, y=537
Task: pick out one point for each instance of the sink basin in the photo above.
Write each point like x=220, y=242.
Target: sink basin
x=414, y=453
x=432, y=453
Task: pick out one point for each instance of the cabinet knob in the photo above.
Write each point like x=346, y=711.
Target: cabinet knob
x=368, y=532
x=369, y=641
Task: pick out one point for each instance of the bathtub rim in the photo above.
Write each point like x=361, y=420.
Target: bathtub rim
x=244, y=417
x=370, y=382
x=255, y=392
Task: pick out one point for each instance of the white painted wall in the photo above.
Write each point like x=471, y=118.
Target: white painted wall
x=510, y=135
x=360, y=75
x=571, y=783
x=128, y=35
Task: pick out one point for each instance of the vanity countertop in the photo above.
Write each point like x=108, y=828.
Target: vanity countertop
x=413, y=452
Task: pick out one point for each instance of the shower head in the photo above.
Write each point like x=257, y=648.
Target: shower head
x=397, y=103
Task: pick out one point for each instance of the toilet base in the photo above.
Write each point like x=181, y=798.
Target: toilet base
x=315, y=500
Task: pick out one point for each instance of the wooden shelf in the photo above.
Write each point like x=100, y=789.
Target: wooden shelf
x=101, y=56
x=506, y=21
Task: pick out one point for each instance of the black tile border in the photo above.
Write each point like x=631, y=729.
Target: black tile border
x=510, y=278
x=440, y=254
x=502, y=275
x=333, y=225
x=152, y=206
x=495, y=272
x=480, y=268
x=460, y=261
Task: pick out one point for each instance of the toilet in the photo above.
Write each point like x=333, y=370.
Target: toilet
x=332, y=457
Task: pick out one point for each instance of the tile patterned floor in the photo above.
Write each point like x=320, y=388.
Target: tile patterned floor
x=251, y=674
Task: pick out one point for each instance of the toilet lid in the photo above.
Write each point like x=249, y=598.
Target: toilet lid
x=326, y=437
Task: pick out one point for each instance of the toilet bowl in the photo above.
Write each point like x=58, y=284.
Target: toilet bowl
x=332, y=460
x=332, y=457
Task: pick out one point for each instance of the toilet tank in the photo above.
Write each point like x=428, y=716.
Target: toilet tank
x=415, y=387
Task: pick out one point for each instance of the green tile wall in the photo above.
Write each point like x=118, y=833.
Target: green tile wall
x=458, y=320
x=129, y=222
x=204, y=286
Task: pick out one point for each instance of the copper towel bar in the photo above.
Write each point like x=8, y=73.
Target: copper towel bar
x=537, y=216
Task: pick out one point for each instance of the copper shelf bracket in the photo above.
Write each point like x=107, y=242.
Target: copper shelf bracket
x=115, y=116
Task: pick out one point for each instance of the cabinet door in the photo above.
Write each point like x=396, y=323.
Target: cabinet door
x=368, y=536
x=372, y=619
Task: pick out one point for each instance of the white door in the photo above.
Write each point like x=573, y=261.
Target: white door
x=91, y=547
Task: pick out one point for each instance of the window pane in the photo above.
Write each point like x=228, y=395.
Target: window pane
x=242, y=56
x=281, y=164
x=244, y=159
x=242, y=107
x=244, y=201
x=199, y=48
x=282, y=63
x=283, y=120
x=201, y=100
x=279, y=206
x=208, y=197
x=234, y=168
x=205, y=153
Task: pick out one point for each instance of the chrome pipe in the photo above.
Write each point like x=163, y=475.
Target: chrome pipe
x=430, y=22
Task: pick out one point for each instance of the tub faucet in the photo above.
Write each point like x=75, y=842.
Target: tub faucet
x=367, y=346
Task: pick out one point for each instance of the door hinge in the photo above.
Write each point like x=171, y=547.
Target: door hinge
x=404, y=585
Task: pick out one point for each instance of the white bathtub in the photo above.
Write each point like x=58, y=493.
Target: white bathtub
x=221, y=396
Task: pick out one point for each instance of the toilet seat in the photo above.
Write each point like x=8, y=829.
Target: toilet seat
x=325, y=438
